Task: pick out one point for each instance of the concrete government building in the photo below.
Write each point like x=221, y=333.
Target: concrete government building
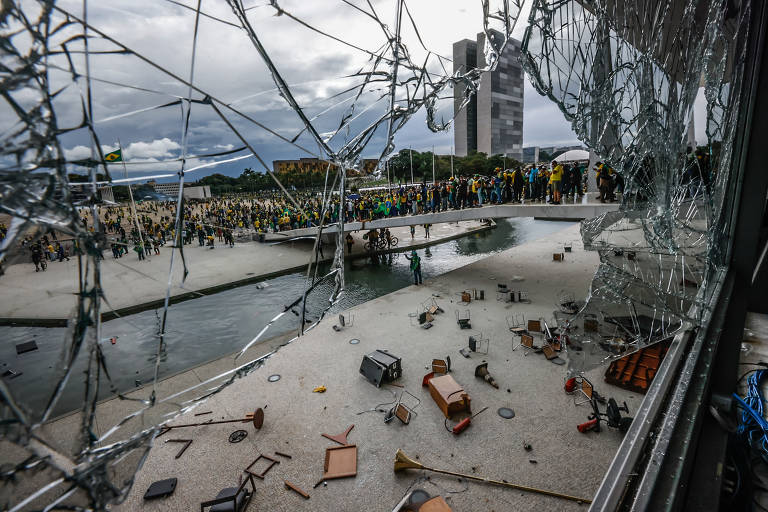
x=492, y=121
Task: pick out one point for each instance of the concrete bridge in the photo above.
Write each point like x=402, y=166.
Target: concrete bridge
x=584, y=209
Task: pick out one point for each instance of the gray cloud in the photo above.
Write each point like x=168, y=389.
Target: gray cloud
x=228, y=67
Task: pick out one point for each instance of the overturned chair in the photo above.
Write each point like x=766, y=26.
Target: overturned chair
x=516, y=324
x=231, y=499
x=463, y=319
x=421, y=319
x=526, y=342
x=344, y=321
x=477, y=343
x=402, y=410
x=431, y=306
x=584, y=391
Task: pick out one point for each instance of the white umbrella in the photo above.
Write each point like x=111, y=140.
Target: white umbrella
x=573, y=155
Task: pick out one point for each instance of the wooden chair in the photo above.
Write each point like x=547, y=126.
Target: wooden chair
x=534, y=325
x=431, y=306
x=526, y=341
x=516, y=324
x=585, y=389
x=549, y=351
x=403, y=411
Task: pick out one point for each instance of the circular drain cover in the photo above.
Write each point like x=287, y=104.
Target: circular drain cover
x=506, y=413
x=273, y=378
x=237, y=436
x=354, y=341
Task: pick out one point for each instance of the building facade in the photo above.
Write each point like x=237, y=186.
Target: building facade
x=172, y=190
x=82, y=191
x=465, y=120
x=492, y=121
x=531, y=154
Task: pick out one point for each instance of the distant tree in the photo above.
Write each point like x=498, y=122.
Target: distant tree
x=120, y=193
x=400, y=166
x=473, y=163
x=84, y=178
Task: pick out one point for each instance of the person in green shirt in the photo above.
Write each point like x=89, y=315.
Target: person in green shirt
x=415, y=266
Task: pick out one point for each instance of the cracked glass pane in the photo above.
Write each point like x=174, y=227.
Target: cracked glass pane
x=71, y=83
x=626, y=75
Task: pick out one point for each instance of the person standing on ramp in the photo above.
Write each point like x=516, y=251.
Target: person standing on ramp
x=415, y=266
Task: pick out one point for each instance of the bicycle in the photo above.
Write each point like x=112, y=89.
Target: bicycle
x=369, y=247
x=381, y=244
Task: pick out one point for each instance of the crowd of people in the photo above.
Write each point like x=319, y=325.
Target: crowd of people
x=146, y=227
x=45, y=250
x=533, y=184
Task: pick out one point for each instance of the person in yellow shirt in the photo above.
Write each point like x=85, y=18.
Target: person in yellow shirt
x=555, y=180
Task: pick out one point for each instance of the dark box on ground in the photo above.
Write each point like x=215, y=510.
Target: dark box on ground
x=160, y=489
x=381, y=366
x=23, y=348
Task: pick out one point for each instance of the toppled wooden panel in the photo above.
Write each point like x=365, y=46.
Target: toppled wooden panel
x=340, y=462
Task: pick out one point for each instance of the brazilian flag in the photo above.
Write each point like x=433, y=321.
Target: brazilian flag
x=115, y=156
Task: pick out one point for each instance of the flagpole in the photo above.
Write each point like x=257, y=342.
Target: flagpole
x=452, y=176
x=130, y=193
x=410, y=152
x=433, y=164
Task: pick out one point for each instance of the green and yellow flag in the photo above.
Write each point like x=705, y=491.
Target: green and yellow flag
x=115, y=156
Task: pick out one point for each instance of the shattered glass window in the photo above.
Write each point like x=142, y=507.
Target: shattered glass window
x=65, y=77
x=626, y=75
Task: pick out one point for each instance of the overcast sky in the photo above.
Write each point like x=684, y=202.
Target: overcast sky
x=228, y=67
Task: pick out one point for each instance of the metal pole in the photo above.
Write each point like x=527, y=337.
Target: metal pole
x=410, y=153
x=513, y=486
x=130, y=193
x=402, y=462
x=452, y=176
x=433, y=164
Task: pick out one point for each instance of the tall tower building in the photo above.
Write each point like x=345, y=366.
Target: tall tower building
x=465, y=122
x=492, y=122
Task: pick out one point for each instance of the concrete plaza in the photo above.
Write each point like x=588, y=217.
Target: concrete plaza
x=47, y=298
x=561, y=459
